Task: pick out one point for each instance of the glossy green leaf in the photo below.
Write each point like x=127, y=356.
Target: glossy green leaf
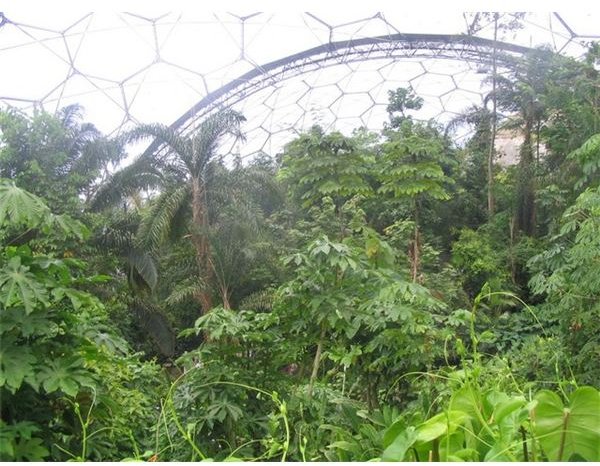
x=564, y=431
x=505, y=408
x=393, y=431
x=439, y=425
x=398, y=448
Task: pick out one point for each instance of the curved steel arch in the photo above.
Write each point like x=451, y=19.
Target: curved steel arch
x=393, y=46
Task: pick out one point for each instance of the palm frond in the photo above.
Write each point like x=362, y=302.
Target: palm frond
x=96, y=155
x=118, y=236
x=70, y=116
x=472, y=116
x=206, y=139
x=142, y=271
x=118, y=231
x=261, y=300
x=185, y=291
x=153, y=321
x=156, y=224
x=140, y=175
x=178, y=146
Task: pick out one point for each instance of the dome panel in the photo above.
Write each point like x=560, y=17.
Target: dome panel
x=118, y=56
x=154, y=65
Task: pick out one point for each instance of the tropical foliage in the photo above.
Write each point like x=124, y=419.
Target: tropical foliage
x=389, y=295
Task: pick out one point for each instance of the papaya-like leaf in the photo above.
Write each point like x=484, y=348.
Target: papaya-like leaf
x=19, y=207
x=19, y=287
x=67, y=374
x=16, y=363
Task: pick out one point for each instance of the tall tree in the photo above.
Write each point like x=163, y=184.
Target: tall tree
x=492, y=150
x=411, y=164
x=502, y=22
x=181, y=172
x=522, y=93
x=318, y=164
x=57, y=157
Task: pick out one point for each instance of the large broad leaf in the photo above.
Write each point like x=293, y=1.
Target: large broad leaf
x=66, y=374
x=19, y=287
x=16, y=363
x=470, y=401
x=18, y=207
x=398, y=448
x=142, y=267
x=37, y=323
x=439, y=425
x=393, y=431
x=157, y=325
x=18, y=444
x=65, y=225
x=564, y=431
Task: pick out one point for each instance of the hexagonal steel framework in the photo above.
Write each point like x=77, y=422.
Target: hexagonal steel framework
x=177, y=68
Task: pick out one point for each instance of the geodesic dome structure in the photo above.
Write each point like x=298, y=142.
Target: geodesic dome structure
x=283, y=71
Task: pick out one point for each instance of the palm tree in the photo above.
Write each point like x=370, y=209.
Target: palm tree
x=240, y=236
x=523, y=95
x=180, y=171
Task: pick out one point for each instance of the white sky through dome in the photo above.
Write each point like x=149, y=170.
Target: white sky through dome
x=152, y=64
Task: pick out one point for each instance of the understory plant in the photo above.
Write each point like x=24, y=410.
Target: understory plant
x=69, y=385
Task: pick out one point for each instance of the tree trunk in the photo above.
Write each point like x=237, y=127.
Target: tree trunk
x=225, y=297
x=316, y=362
x=200, y=241
x=491, y=154
x=513, y=265
x=372, y=398
x=415, y=246
x=526, y=215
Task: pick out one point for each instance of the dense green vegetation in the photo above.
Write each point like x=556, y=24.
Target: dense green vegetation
x=373, y=296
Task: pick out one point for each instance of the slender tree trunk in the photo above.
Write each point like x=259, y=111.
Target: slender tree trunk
x=492, y=151
x=526, y=215
x=415, y=246
x=225, y=297
x=317, y=361
x=230, y=432
x=537, y=142
x=200, y=241
x=513, y=265
x=372, y=398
